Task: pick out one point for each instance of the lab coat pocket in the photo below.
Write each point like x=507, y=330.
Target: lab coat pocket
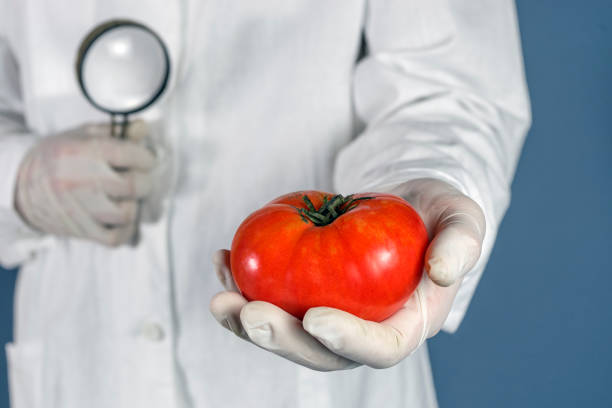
x=25, y=374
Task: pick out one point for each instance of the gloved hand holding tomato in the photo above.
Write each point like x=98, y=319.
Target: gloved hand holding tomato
x=377, y=318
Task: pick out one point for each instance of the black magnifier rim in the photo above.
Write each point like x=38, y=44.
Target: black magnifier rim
x=91, y=38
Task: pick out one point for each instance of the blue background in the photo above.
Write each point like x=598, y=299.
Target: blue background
x=539, y=330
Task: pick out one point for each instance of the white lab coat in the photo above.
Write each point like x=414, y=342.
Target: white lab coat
x=265, y=97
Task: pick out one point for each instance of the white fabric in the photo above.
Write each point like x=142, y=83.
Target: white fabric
x=263, y=97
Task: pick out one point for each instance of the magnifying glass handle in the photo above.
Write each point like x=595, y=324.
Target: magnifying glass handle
x=124, y=122
x=113, y=125
x=121, y=127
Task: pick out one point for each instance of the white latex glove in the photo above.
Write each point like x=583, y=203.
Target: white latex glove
x=331, y=339
x=85, y=184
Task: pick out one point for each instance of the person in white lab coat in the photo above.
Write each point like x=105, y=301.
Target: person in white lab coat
x=265, y=98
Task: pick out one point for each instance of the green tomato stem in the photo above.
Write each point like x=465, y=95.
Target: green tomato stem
x=330, y=210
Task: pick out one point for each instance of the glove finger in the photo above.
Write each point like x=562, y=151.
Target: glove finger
x=137, y=130
x=221, y=262
x=454, y=221
x=109, y=236
x=226, y=307
x=106, y=211
x=126, y=213
x=275, y=330
x=85, y=226
x=457, y=242
x=378, y=345
x=127, y=185
x=124, y=154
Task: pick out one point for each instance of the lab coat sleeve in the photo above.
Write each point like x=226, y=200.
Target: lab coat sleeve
x=440, y=94
x=17, y=240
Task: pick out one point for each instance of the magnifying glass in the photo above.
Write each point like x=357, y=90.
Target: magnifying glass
x=122, y=67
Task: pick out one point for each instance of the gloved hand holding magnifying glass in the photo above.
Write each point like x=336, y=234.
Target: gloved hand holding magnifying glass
x=88, y=182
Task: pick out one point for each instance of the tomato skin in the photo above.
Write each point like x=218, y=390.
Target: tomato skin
x=367, y=262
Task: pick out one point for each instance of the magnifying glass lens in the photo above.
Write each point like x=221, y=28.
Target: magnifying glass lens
x=124, y=69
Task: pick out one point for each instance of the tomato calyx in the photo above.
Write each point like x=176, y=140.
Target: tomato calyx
x=331, y=208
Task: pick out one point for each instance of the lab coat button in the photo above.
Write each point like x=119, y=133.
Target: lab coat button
x=153, y=332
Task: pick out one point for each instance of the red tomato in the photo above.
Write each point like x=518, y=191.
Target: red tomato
x=364, y=255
